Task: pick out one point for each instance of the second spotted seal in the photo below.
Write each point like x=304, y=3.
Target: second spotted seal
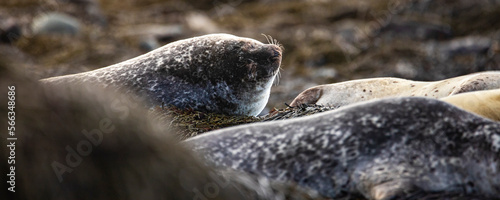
x=219, y=73
x=344, y=93
x=382, y=149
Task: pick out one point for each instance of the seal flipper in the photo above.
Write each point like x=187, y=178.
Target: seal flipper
x=394, y=189
x=309, y=96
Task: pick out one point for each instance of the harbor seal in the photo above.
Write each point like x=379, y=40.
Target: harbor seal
x=71, y=143
x=381, y=149
x=485, y=103
x=344, y=93
x=218, y=73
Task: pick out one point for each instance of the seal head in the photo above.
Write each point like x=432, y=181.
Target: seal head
x=218, y=73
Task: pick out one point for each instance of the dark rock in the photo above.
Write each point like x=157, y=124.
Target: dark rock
x=462, y=46
x=429, y=61
x=10, y=31
x=415, y=30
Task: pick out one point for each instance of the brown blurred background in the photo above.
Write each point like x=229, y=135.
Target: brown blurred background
x=325, y=41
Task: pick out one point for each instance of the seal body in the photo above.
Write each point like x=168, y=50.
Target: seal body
x=484, y=103
x=344, y=93
x=381, y=149
x=218, y=73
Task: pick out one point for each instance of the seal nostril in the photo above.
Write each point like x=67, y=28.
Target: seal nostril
x=276, y=53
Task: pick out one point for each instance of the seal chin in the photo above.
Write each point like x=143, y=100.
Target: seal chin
x=252, y=105
x=262, y=74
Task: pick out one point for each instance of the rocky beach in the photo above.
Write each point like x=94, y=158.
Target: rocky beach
x=323, y=42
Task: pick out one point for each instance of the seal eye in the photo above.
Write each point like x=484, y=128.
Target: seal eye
x=252, y=68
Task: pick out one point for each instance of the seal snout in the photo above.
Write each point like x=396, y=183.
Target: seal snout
x=275, y=52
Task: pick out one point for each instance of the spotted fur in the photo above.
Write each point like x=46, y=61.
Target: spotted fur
x=219, y=73
x=380, y=149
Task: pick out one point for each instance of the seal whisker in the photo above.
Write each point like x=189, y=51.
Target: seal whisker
x=278, y=76
x=278, y=44
x=273, y=41
x=267, y=38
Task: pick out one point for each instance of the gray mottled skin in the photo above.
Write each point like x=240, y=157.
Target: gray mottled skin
x=380, y=149
x=219, y=73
